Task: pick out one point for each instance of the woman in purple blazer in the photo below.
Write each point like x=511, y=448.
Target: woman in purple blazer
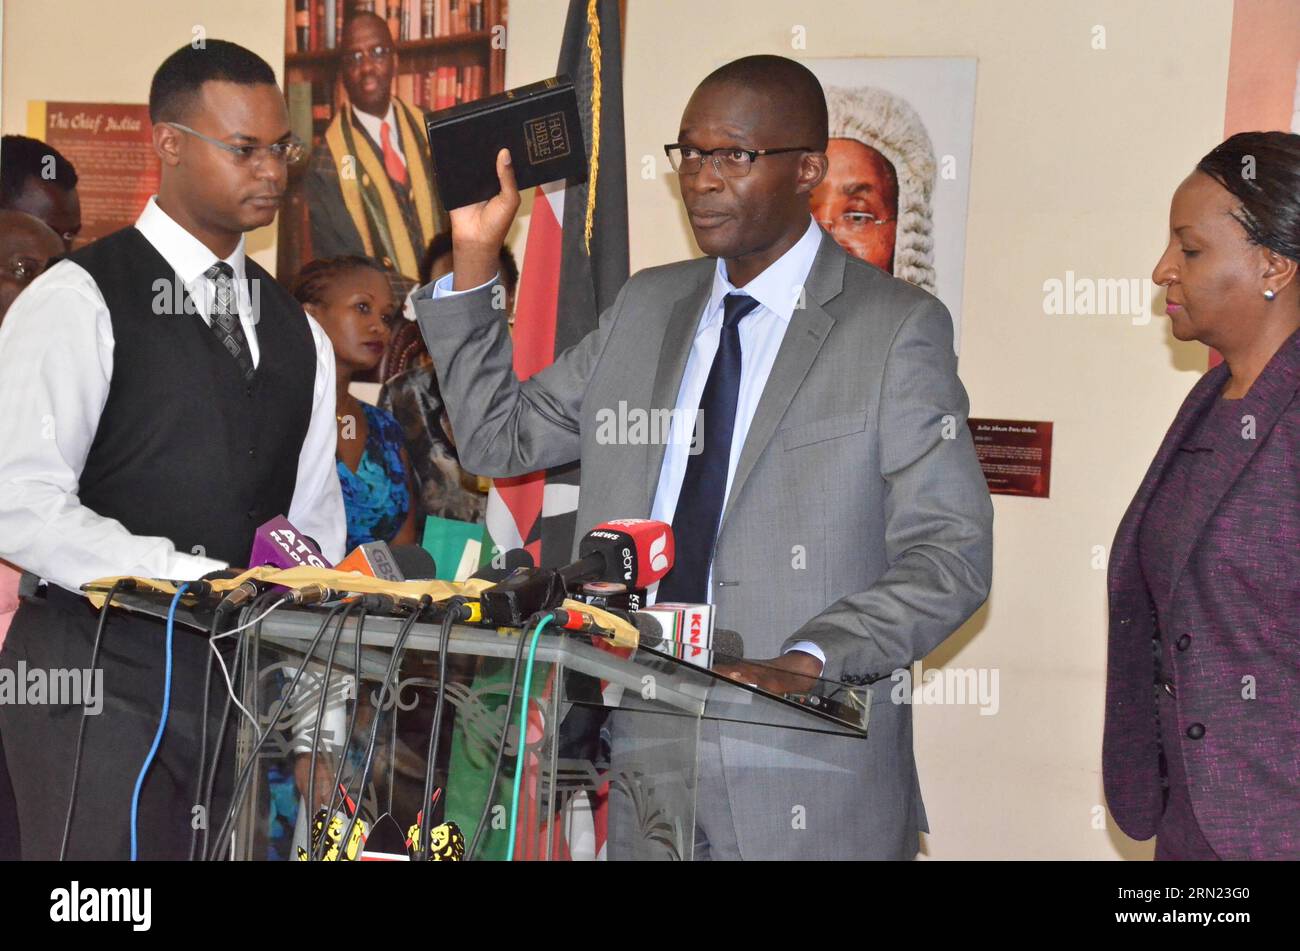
x=1202, y=745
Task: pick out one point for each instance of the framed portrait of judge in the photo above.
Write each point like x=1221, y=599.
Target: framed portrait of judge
x=898, y=188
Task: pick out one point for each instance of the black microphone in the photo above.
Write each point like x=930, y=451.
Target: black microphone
x=514, y=558
x=728, y=642
x=650, y=629
x=415, y=563
x=521, y=594
x=201, y=587
x=652, y=635
x=634, y=551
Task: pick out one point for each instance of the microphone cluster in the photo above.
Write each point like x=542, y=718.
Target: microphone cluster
x=617, y=562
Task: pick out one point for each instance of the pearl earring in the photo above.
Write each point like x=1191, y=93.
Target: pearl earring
x=1269, y=293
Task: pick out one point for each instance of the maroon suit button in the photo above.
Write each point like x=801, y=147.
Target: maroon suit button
x=1196, y=731
x=1183, y=642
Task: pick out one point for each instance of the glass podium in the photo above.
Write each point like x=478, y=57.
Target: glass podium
x=606, y=767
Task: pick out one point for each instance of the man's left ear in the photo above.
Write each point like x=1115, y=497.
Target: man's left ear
x=166, y=143
x=812, y=169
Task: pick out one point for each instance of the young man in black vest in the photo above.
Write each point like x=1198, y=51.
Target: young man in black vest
x=160, y=397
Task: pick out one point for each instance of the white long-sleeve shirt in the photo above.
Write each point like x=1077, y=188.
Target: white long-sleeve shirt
x=56, y=363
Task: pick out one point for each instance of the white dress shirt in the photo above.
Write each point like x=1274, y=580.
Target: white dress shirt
x=778, y=290
x=56, y=363
x=374, y=125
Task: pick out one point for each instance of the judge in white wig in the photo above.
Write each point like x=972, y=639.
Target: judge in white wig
x=875, y=199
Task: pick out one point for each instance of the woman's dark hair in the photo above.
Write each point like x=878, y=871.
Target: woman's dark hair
x=441, y=244
x=316, y=276
x=1262, y=171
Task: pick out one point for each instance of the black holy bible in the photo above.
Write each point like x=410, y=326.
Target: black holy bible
x=538, y=123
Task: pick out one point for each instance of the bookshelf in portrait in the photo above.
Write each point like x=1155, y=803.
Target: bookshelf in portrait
x=446, y=52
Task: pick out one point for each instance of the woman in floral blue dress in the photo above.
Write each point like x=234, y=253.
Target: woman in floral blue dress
x=350, y=297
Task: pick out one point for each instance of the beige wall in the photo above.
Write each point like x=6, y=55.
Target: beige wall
x=107, y=51
x=1077, y=152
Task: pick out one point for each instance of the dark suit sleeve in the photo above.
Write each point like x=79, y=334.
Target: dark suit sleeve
x=938, y=515
x=332, y=230
x=504, y=427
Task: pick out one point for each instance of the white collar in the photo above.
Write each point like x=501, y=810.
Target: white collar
x=372, y=124
x=778, y=287
x=188, y=256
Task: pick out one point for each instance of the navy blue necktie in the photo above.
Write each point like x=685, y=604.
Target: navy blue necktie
x=704, y=487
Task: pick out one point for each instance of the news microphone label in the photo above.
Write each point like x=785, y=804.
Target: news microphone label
x=297, y=548
x=658, y=553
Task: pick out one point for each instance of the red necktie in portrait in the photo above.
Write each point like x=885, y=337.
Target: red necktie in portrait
x=392, y=163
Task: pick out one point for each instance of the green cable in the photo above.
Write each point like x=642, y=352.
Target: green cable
x=523, y=735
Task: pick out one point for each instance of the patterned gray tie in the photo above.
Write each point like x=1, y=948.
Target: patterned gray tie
x=225, y=317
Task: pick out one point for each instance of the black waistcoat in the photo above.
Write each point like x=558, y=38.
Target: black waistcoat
x=186, y=448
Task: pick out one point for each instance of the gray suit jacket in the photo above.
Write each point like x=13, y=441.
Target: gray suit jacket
x=857, y=518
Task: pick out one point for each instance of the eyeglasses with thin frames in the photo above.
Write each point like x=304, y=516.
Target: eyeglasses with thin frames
x=851, y=221
x=290, y=151
x=730, y=161
x=376, y=54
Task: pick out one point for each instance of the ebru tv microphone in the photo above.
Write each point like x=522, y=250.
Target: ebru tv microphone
x=636, y=552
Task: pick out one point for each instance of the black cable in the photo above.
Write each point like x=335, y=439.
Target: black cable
x=253, y=665
x=238, y=658
x=242, y=656
x=501, y=747
x=392, y=745
x=217, y=617
x=122, y=584
x=251, y=684
x=453, y=613
x=251, y=610
x=320, y=709
x=398, y=646
x=240, y=789
x=318, y=849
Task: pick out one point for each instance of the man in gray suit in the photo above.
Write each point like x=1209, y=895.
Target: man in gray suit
x=834, y=513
